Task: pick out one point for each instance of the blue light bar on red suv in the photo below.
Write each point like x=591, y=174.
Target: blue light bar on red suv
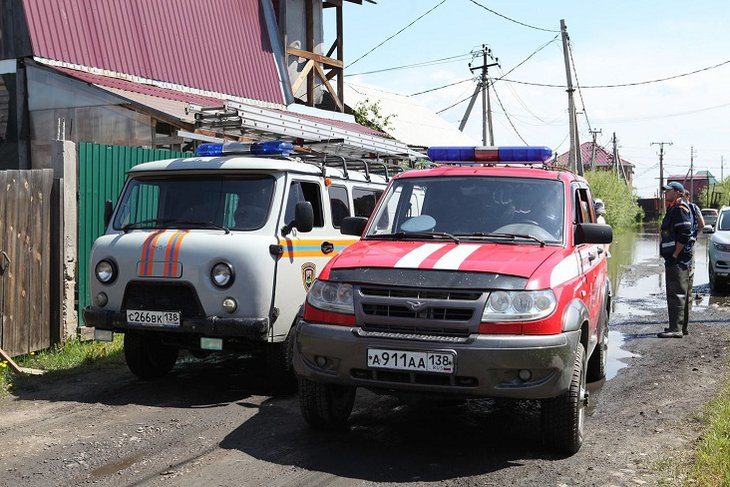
x=526, y=154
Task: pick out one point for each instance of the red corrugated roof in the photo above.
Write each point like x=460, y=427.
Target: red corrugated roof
x=121, y=84
x=603, y=157
x=213, y=45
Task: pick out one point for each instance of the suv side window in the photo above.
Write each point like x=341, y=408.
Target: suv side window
x=300, y=191
x=583, y=212
x=364, y=201
x=339, y=204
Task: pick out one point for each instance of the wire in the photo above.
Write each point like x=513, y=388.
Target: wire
x=622, y=85
x=533, y=53
x=445, y=60
x=404, y=28
x=507, y=116
x=441, y=87
x=511, y=20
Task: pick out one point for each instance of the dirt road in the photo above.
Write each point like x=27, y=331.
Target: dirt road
x=211, y=423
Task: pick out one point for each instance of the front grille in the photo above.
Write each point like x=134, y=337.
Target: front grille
x=155, y=296
x=419, y=312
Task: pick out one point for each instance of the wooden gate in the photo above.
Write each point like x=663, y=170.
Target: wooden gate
x=102, y=170
x=25, y=260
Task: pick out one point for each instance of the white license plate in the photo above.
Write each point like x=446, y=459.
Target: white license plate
x=153, y=318
x=441, y=362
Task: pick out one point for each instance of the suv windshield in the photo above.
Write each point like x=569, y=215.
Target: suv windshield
x=724, y=221
x=236, y=202
x=472, y=208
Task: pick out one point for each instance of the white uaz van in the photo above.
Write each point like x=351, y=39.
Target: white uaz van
x=217, y=252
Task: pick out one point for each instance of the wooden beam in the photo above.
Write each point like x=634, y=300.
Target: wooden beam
x=335, y=95
x=302, y=76
x=331, y=3
x=22, y=370
x=333, y=72
x=332, y=49
x=310, y=48
x=340, y=54
x=335, y=63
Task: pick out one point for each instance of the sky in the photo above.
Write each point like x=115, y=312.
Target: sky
x=613, y=43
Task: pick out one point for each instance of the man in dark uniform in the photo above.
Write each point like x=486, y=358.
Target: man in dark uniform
x=676, y=249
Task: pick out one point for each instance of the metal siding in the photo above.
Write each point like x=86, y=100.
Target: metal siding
x=214, y=45
x=102, y=171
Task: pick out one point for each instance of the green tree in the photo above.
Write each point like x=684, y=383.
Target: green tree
x=622, y=208
x=715, y=195
x=370, y=114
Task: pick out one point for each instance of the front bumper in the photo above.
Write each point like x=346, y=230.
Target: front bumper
x=486, y=365
x=212, y=326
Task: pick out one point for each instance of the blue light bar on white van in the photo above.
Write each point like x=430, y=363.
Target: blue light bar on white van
x=525, y=154
x=268, y=148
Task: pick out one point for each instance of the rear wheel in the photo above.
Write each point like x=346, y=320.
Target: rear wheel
x=147, y=357
x=325, y=406
x=599, y=357
x=563, y=416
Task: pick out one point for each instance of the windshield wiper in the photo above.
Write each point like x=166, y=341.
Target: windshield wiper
x=407, y=235
x=146, y=224
x=168, y=222
x=511, y=236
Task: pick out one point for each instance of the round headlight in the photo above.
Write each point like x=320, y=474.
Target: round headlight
x=499, y=301
x=105, y=272
x=222, y=274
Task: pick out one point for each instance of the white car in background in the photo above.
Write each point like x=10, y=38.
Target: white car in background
x=718, y=250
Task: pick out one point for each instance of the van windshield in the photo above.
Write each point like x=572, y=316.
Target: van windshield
x=232, y=202
x=472, y=208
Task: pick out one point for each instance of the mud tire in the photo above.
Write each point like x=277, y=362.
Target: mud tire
x=147, y=357
x=280, y=378
x=325, y=406
x=563, y=416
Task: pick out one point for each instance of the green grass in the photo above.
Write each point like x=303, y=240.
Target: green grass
x=712, y=456
x=60, y=360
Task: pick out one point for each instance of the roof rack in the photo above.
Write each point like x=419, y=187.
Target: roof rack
x=241, y=120
x=368, y=167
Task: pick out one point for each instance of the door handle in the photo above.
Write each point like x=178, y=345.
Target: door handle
x=327, y=247
x=600, y=250
x=591, y=256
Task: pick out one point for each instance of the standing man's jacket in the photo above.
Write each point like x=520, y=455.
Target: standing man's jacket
x=677, y=226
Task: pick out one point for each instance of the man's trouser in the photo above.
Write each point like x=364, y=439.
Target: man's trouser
x=677, y=284
x=688, y=301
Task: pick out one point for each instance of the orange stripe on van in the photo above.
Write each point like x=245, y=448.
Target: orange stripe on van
x=151, y=255
x=168, y=255
x=176, y=251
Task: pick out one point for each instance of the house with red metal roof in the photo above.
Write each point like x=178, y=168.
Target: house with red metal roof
x=695, y=183
x=596, y=157
x=128, y=73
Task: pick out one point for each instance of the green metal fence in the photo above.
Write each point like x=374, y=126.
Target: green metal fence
x=102, y=171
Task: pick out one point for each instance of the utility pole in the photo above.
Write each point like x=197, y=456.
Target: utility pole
x=483, y=86
x=722, y=168
x=594, y=133
x=574, y=158
x=691, y=171
x=661, y=166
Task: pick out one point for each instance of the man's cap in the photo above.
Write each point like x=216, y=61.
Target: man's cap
x=675, y=186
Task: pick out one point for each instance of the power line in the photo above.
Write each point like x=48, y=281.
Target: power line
x=404, y=28
x=507, y=116
x=622, y=85
x=511, y=20
x=444, y=60
x=441, y=87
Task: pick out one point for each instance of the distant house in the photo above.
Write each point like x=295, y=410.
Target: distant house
x=123, y=73
x=696, y=183
x=603, y=160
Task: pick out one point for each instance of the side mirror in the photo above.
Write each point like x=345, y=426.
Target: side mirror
x=353, y=225
x=593, y=233
x=303, y=219
x=708, y=229
x=108, y=210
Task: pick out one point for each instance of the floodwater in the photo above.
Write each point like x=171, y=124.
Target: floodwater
x=638, y=296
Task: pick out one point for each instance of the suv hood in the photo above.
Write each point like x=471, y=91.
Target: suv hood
x=511, y=259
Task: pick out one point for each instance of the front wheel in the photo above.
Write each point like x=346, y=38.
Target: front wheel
x=325, y=406
x=147, y=357
x=715, y=282
x=563, y=416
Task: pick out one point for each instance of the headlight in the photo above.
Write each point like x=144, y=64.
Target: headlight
x=106, y=272
x=331, y=296
x=722, y=247
x=222, y=274
x=519, y=305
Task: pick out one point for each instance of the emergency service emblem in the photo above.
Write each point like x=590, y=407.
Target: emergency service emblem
x=309, y=270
